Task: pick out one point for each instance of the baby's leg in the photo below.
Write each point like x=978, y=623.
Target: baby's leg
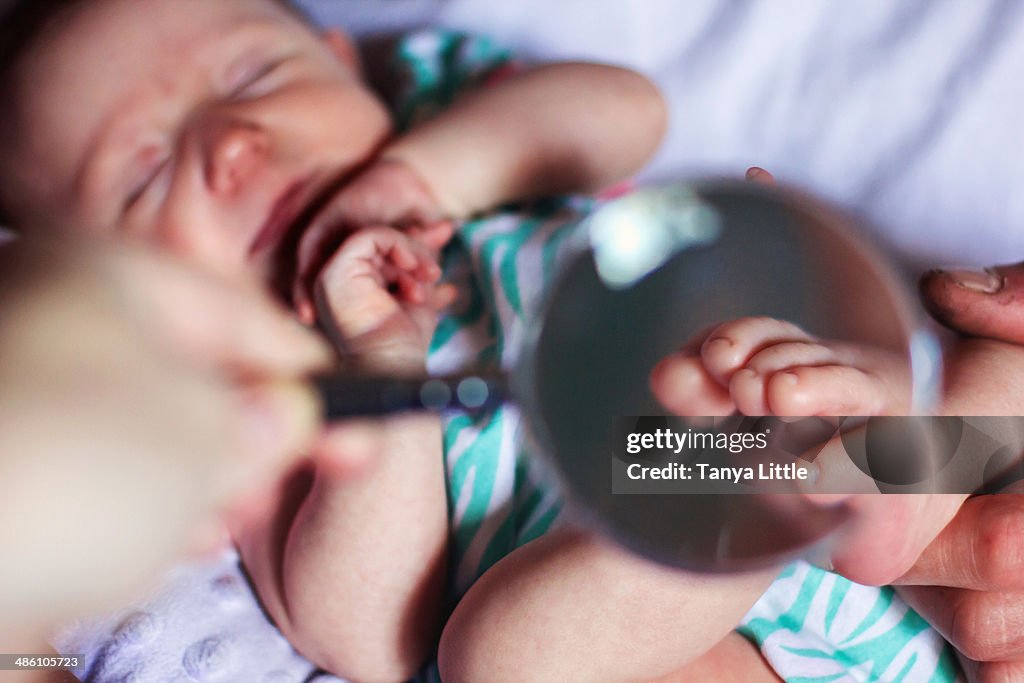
x=733, y=660
x=764, y=366
x=572, y=607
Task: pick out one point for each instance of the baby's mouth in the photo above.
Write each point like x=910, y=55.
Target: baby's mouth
x=297, y=209
x=282, y=213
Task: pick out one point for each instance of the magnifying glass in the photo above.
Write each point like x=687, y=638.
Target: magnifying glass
x=646, y=274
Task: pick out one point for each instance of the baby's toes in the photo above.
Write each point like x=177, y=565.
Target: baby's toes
x=825, y=390
x=748, y=384
x=683, y=387
x=732, y=345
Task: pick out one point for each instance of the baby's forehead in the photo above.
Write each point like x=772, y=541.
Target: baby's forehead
x=99, y=41
x=105, y=61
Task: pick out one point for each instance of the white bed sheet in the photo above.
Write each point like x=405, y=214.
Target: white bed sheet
x=907, y=111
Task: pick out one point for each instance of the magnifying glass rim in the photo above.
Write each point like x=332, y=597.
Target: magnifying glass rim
x=921, y=347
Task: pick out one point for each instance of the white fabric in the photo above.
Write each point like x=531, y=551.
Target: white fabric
x=202, y=624
x=909, y=112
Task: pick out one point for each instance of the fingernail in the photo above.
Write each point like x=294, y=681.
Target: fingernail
x=985, y=281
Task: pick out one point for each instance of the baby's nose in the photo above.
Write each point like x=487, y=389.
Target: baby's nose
x=235, y=153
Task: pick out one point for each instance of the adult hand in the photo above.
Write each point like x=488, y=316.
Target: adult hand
x=969, y=583
x=960, y=564
x=139, y=398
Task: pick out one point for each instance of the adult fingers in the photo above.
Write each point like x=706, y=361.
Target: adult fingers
x=342, y=450
x=983, y=626
x=981, y=549
x=757, y=174
x=215, y=323
x=250, y=352
x=275, y=422
x=992, y=672
x=983, y=303
x=888, y=534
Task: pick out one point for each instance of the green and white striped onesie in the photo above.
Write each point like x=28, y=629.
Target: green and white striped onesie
x=812, y=625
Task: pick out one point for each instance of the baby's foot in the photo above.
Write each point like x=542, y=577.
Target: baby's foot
x=764, y=366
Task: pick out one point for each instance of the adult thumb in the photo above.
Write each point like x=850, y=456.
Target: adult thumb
x=984, y=303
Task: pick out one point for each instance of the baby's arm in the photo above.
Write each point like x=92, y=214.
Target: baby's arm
x=554, y=129
x=353, y=573
x=569, y=127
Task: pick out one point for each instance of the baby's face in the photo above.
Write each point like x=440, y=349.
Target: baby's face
x=204, y=126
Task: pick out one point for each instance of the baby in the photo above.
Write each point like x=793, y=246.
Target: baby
x=230, y=133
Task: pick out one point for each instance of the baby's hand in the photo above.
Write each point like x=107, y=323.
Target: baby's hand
x=764, y=366
x=379, y=296
x=390, y=193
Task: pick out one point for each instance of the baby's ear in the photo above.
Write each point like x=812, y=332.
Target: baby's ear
x=344, y=48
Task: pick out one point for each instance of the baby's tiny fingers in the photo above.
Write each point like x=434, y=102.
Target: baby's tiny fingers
x=433, y=235
x=302, y=302
x=410, y=288
x=402, y=254
x=428, y=270
x=444, y=296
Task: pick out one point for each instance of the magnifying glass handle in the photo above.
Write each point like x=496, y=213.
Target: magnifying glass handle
x=347, y=395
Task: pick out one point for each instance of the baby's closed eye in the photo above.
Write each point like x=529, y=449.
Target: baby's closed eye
x=147, y=167
x=255, y=80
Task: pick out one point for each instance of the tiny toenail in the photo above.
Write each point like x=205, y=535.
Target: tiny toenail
x=985, y=281
x=720, y=342
x=791, y=377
